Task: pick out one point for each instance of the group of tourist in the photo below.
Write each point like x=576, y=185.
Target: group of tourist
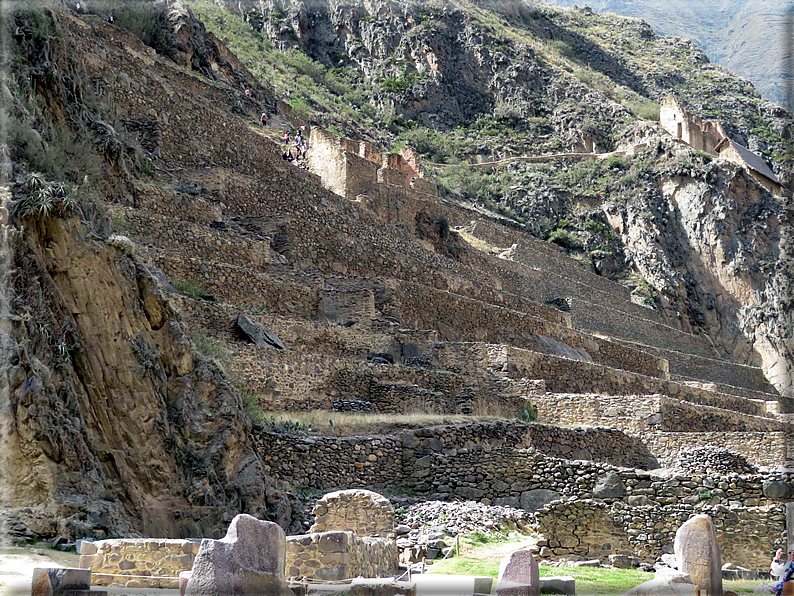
x=294, y=150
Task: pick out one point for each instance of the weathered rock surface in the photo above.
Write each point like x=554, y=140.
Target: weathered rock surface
x=609, y=486
x=248, y=561
x=518, y=575
x=698, y=553
x=666, y=582
x=257, y=333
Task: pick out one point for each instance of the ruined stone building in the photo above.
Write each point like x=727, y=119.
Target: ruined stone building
x=709, y=136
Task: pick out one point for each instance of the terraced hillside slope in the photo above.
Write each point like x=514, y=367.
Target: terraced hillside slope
x=507, y=82
x=135, y=403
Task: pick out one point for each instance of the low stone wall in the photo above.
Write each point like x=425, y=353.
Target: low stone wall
x=195, y=239
x=563, y=375
x=238, y=285
x=458, y=318
x=642, y=413
x=767, y=449
x=331, y=556
x=748, y=536
x=443, y=459
x=138, y=562
x=331, y=462
x=362, y=512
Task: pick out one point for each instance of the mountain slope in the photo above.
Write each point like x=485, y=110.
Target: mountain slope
x=149, y=209
x=745, y=37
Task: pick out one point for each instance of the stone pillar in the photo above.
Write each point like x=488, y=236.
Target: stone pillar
x=698, y=554
x=518, y=575
x=789, y=526
x=248, y=561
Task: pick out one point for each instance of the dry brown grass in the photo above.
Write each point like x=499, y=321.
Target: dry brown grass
x=323, y=422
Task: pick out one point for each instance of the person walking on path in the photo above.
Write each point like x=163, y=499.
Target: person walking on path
x=263, y=119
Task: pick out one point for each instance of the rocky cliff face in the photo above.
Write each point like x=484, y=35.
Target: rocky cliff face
x=112, y=423
x=738, y=35
x=115, y=425
x=712, y=243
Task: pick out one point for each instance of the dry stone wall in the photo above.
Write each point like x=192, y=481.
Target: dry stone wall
x=768, y=449
x=362, y=512
x=748, y=536
x=642, y=413
x=138, y=562
x=332, y=556
x=442, y=460
x=563, y=375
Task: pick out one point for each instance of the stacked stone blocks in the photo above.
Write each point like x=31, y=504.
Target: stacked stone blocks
x=138, y=562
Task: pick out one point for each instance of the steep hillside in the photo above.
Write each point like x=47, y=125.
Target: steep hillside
x=745, y=37
x=469, y=82
x=152, y=222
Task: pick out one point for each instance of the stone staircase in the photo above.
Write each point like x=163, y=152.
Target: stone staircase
x=339, y=281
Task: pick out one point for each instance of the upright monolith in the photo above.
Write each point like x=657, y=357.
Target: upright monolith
x=248, y=561
x=698, y=554
x=518, y=575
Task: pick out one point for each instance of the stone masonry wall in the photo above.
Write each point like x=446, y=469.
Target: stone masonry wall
x=138, y=562
x=642, y=413
x=767, y=449
x=563, y=375
x=472, y=320
x=362, y=512
x=333, y=556
x=748, y=536
x=429, y=458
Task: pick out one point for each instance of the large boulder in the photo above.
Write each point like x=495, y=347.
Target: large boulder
x=776, y=489
x=698, y=554
x=518, y=575
x=609, y=486
x=248, y=561
x=257, y=333
x=532, y=500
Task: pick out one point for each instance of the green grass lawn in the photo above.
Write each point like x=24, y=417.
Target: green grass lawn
x=589, y=580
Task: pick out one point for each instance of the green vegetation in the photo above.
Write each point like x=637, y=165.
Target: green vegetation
x=589, y=580
x=565, y=239
x=528, y=414
x=38, y=197
x=281, y=425
x=644, y=108
x=191, y=289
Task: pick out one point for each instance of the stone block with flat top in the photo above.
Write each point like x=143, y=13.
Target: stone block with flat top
x=248, y=561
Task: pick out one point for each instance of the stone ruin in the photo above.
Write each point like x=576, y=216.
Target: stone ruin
x=248, y=561
x=353, y=536
x=709, y=136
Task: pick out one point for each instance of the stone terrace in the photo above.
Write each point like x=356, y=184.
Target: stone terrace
x=341, y=279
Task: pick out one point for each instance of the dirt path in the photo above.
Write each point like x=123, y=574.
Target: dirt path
x=17, y=564
x=495, y=552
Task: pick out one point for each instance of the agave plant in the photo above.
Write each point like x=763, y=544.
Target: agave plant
x=34, y=182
